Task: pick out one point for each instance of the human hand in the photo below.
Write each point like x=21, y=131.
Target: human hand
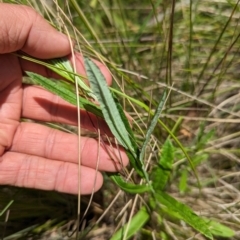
x=33, y=155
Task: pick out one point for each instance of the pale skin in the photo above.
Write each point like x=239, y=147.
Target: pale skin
x=33, y=155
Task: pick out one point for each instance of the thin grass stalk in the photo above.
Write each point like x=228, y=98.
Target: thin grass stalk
x=214, y=50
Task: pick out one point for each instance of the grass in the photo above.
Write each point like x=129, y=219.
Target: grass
x=193, y=55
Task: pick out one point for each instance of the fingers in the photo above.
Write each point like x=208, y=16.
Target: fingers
x=45, y=158
x=24, y=29
x=41, y=141
x=29, y=171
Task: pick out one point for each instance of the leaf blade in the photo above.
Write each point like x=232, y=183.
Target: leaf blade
x=65, y=91
x=107, y=104
x=137, y=222
x=130, y=187
x=183, y=212
x=161, y=172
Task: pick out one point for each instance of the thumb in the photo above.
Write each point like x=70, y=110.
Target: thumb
x=22, y=28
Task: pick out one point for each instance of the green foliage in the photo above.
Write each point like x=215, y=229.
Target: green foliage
x=113, y=114
x=130, y=187
x=203, y=137
x=152, y=126
x=161, y=172
x=63, y=67
x=183, y=181
x=135, y=225
x=108, y=106
x=64, y=90
x=174, y=208
x=219, y=229
x=113, y=117
x=150, y=131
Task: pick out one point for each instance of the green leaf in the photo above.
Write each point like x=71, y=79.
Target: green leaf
x=64, y=90
x=107, y=104
x=152, y=125
x=198, y=159
x=183, y=212
x=183, y=181
x=149, y=133
x=113, y=114
x=126, y=123
x=219, y=229
x=135, y=163
x=203, y=137
x=146, y=108
x=130, y=187
x=137, y=222
x=63, y=67
x=160, y=173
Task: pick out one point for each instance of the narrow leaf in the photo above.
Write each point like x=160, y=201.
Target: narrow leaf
x=145, y=107
x=65, y=91
x=152, y=125
x=183, y=181
x=150, y=131
x=107, y=104
x=135, y=163
x=126, y=123
x=183, y=212
x=160, y=173
x=130, y=187
x=63, y=67
x=219, y=229
x=137, y=222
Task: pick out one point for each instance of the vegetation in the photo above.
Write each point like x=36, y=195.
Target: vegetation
x=174, y=65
